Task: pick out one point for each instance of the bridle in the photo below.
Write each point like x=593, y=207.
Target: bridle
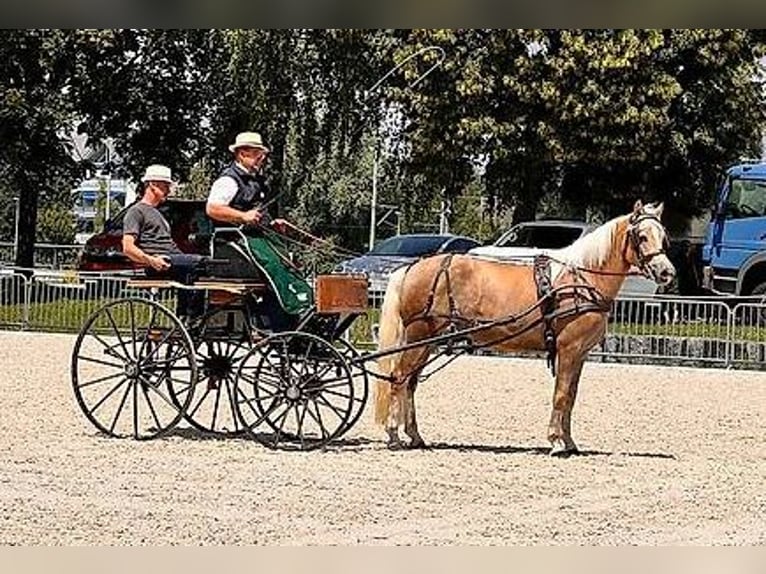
x=643, y=259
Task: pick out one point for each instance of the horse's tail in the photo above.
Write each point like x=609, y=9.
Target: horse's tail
x=390, y=335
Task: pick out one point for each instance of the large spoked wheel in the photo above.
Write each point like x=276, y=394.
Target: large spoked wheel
x=133, y=369
x=221, y=342
x=361, y=382
x=295, y=391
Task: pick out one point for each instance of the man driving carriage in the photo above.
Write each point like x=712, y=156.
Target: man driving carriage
x=146, y=240
x=240, y=196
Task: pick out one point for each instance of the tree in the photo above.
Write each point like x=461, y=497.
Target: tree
x=599, y=116
x=56, y=224
x=37, y=68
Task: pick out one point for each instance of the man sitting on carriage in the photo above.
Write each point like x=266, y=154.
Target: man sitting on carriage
x=240, y=196
x=147, y=240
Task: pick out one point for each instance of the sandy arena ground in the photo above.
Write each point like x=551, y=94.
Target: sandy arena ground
x=670, y=456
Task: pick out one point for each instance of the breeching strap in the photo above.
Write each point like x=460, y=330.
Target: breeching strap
x=542, y=272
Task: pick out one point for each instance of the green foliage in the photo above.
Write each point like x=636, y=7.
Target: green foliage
x=603, y=116
x=198, y=185
x=56, y=224
x=513, y=124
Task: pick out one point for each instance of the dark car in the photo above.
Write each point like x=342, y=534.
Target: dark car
x=190, y=228
x=399, y=250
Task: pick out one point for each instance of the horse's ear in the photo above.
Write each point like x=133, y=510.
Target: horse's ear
x=637, y=207
x=659, y=208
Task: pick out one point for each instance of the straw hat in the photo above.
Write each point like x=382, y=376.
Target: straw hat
x=248, y=139
x=157, y=172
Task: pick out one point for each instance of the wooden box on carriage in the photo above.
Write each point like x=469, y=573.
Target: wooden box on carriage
x=339, y=293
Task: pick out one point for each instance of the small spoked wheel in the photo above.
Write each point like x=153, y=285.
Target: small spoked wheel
x=133, y=369
x=361, y=382
x=221, y=342
x=295, y=391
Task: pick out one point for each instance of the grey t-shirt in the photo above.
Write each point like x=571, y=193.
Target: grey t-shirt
x=150, y=228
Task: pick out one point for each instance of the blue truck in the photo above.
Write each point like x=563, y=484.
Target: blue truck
x=734, y=253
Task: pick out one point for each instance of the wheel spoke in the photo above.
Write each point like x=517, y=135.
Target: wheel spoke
x=230, y=394
x=134, y=336
x=151, y=407
x=109, y=349
x=216, y=404
x=117, y=332
x=135, y=411
x=299, y=418
x=339, y=413
x=326, y=391
x=199, y=403
x=265, y=414
x=100, y=380
x=180, y=351
x=149, y=326
x=318, y=418
x=99, y=362
x=282, y=419
x=119, y=408
x=159, y=393
x=162, y=342
x=108, y=394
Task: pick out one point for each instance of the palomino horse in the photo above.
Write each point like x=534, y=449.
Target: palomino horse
x=513, y=307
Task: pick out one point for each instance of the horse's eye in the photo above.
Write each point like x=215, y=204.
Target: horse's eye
x=642, y=238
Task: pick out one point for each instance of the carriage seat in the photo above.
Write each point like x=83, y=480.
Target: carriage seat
x=228, y=243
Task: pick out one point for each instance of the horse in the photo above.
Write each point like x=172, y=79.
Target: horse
x=560, y=305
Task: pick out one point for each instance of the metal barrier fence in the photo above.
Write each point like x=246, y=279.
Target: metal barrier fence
x=62, y=302
x=705, y=332
x=46, y=255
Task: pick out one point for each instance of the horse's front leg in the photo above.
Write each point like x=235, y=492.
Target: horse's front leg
x=564, y=395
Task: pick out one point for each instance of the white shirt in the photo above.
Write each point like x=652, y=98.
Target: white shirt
x=223, y=190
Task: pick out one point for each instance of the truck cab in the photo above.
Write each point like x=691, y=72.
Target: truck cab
x=734, y=254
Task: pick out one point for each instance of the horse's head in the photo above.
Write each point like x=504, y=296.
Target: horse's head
x=648, y=239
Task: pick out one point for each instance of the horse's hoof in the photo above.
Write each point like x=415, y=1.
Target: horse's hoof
x=561, y=449
x=395, y=445
x=417, y=444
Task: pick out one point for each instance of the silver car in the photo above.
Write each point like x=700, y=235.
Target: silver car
x=524, y=241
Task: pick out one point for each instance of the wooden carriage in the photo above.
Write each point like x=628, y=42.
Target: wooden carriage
x=138, y=370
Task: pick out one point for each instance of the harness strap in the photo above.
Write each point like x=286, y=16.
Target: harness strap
x=542, y=272
x=426, y=312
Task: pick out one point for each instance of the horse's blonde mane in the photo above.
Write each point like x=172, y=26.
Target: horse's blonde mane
x=591, y=250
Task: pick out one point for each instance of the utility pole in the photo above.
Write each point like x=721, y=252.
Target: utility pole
x=444, y=217
x=108, y=166
x=374, y=204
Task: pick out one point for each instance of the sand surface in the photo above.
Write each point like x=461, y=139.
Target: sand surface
x=669, y=456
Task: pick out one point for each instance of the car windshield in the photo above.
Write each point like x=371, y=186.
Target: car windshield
x=540, y=236
x=408, y=246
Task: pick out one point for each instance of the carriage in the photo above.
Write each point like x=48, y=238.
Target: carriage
x=138, y=370
x=304, y=386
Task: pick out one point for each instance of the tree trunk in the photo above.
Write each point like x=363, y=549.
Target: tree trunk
x=28, y=195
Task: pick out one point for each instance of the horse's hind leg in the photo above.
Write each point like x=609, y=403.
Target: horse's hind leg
x=410, y=418
x=560, y=426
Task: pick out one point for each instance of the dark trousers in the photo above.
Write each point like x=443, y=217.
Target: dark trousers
x=184, y=268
